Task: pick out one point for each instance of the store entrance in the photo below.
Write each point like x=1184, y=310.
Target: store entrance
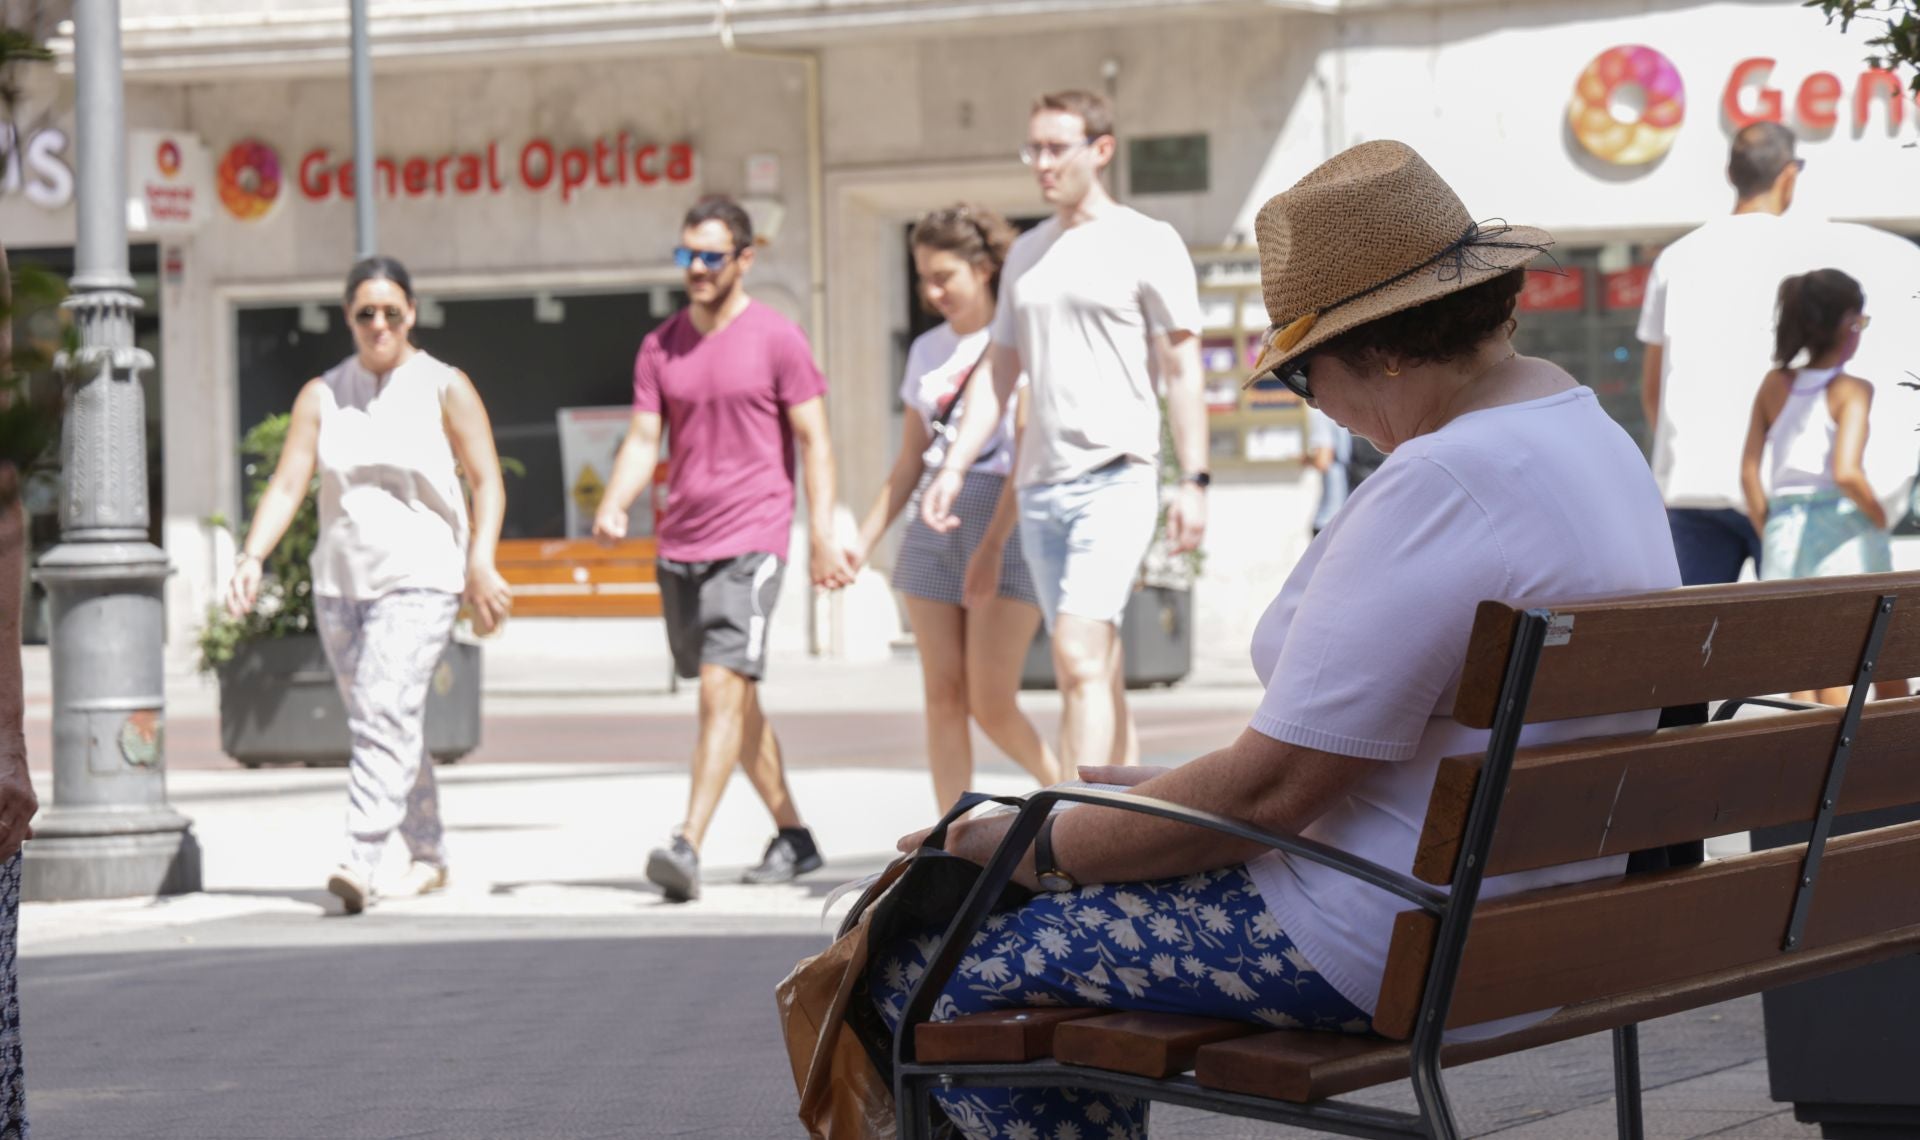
x=529, y=354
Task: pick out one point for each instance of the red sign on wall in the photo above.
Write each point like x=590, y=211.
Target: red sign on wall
x=1627, y=288
x=1550, y=292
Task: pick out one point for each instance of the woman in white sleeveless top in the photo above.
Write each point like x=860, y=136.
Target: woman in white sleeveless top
x=1817, y=515
x=390, y=430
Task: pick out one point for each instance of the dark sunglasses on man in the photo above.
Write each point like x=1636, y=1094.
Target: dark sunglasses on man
x=712, y=259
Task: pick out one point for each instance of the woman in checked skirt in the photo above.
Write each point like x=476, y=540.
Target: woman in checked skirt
x=968, y=596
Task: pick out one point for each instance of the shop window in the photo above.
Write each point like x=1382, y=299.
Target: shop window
x=1583, y=316
x=529, y=354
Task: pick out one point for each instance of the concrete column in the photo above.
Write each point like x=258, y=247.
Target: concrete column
x=108, y=832
x=366, y=237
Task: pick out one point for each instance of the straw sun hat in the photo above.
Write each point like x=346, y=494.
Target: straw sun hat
x=1372, y=232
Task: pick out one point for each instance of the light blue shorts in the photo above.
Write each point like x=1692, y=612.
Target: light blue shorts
x=1084, y=539
x=1821, y=535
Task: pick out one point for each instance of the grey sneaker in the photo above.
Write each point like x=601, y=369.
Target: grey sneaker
x=675, y=869
x=790, y=854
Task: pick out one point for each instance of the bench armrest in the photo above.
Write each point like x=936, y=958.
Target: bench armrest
x=1026, y=826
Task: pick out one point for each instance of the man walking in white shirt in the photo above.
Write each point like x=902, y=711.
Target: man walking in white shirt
x=1707, y=322
x=1095, y=304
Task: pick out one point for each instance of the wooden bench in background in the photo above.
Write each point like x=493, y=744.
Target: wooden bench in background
x=1609, y=953
x=578, y=577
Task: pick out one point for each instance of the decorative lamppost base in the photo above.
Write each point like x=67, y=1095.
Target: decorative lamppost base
x=110, y=855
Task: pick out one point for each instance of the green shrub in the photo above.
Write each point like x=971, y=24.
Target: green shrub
x=285, y=608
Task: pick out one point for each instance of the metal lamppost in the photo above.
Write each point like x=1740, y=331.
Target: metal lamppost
x=109, y=832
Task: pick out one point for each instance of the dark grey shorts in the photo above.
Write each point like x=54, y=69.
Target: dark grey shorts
x=717, y=612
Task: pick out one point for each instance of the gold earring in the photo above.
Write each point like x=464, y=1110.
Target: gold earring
x=1393, y=371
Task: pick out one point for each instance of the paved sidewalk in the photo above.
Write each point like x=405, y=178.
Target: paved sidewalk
x=552, y=992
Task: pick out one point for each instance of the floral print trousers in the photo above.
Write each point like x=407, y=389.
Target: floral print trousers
x=13, y=1079
x=384, y=652
x=1203, y=944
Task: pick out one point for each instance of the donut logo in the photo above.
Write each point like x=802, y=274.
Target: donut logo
x=167, y=159
x=249, y=179
x=1627, y=106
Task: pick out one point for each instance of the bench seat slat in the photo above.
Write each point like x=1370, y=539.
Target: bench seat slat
x=1585, y=941
x=1569, y=802
x=1302, y=1066
x=1144, y=1044
x=1000, y=1035
x=1707, y=643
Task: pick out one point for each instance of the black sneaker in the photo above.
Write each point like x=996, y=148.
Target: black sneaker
x=675, y=869
x=789, y=855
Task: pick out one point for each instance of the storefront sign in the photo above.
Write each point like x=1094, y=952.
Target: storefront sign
x=249, y=179
x=1547, y=291
x=1751, y=97
x=539, y=166
x=169, y=179
x=40, y=169
x=1627, y=105
x=1167, y=164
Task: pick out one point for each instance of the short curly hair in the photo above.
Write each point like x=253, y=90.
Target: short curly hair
x=1444, y=329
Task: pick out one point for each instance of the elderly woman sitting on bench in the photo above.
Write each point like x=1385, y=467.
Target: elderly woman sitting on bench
x=1393, y=314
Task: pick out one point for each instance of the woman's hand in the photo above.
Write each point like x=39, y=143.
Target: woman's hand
x=975, y=840
x=936, y=502
x=17, y=804
x=488, y=596
x=983, y=576
x=243, y=589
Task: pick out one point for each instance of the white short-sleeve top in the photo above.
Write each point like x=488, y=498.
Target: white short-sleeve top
x=1361, y=652
x=392, y=512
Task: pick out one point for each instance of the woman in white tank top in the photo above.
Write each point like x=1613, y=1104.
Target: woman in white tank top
x=1817, y=514
x=390, y=431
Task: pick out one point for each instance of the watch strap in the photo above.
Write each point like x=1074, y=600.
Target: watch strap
x=1045, y=866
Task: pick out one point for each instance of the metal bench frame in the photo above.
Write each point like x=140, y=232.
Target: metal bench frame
x=915, y=1083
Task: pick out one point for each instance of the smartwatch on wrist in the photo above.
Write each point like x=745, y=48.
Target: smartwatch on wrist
x=1046, y=867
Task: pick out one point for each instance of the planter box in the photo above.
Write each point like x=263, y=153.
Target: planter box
x=1156, y=635
x=279, y=704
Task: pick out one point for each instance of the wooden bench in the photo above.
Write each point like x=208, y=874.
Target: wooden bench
x=578, y=577
x=1608, y=954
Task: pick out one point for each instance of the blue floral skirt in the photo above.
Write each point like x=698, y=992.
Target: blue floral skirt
x=1202, y=944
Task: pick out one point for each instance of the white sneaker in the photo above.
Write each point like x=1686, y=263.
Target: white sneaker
x=420, y=879
x=353, y=890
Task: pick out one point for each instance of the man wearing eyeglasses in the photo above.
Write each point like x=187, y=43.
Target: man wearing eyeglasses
x=1096, y=303
x=1707, y=323
x=736, y=386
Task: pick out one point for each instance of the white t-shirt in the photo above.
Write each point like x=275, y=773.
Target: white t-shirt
x=938, y=367
x=1361, y=652
x=1710, y=301
x=1081, y=304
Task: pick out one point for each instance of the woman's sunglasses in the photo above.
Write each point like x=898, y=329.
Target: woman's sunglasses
x=1293, y=374
x=712, y=259
x=364, y=316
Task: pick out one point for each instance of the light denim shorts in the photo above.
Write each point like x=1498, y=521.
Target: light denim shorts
x=1084, y=538
x=1821, y=535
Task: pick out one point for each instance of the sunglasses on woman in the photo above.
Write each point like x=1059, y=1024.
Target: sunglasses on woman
x=364, y=316
x=1293, y=374
x=712, y=259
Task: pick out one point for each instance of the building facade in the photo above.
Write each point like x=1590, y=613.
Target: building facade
x=536, y=162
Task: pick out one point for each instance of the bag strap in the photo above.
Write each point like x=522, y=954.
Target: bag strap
x=946, y=413
x=937, y=838
x=936, y=842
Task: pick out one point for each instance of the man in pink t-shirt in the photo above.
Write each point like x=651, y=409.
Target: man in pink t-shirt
x=735, y=384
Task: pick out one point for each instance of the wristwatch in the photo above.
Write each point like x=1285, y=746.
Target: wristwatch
x=1201, y=479
x=1046, y=867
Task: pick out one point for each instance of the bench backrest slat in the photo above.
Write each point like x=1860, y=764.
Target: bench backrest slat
x=1588, y=941
x=577, y=577
x=1681, y=647
x=1590, y=798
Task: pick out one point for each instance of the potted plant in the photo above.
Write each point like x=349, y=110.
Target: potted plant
x=1156, y=630
x=279, y=702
